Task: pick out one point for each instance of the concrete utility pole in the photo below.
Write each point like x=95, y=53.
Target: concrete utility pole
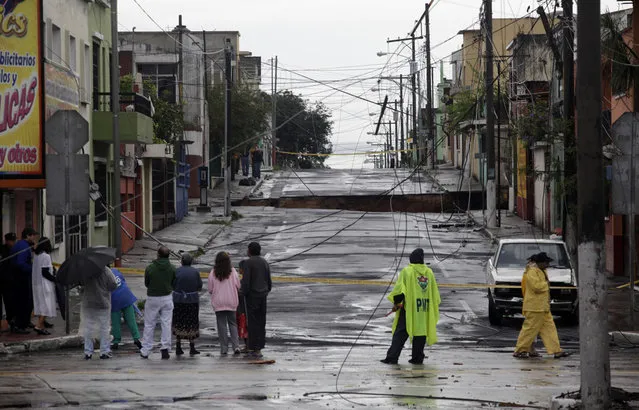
x=632, y=269
x=396, y=153
x=227, y=125
x=429, y=91
x=498, y=176
x=204, y=196
x=115, y=109
x=413, y=73
x=491, y=205
x=593, y=306
x=274, y=109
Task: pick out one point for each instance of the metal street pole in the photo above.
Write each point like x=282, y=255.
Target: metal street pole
x=115, y=109
x=593, y=306
x=498, y=176
x=227, y=126
x=491, y=220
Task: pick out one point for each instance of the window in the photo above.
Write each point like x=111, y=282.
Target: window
x=515, y=255
x=56, y=44
x=58, y=229
x=87, y=72
x=96, y=75
x=73, y=54
x=100, y=172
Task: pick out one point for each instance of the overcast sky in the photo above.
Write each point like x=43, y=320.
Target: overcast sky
x=334, y=41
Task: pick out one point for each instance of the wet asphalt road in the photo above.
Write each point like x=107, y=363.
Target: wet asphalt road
x=317, y=331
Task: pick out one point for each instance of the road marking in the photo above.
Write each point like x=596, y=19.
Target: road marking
x=471, y=314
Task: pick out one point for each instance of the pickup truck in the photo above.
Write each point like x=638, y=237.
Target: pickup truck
x=506, y=267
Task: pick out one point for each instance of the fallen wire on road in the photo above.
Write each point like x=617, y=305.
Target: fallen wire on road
x=429, y=397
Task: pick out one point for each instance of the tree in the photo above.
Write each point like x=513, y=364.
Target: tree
x=302, y=127
x=249, y=117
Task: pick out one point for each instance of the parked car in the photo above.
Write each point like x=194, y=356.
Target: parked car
x=506, y=267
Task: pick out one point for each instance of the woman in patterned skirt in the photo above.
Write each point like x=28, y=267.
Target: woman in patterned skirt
x=186, y=301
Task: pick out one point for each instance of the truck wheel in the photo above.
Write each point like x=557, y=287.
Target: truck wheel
x=494, y=315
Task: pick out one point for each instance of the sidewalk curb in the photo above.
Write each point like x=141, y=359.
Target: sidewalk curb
x=631, y=337
x=485, y=231
x=256, y=187
x=41, y=345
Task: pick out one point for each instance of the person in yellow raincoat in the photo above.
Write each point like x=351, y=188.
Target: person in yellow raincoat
x=535, y=288
x=416, y=300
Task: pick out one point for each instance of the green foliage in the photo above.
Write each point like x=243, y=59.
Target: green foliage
x=236, y=216
x=126, y=83
x=303, y=127
x=168, y=121
x=249, y=116
x=463, y=108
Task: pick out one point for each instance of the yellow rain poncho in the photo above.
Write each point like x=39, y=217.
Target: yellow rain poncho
x=421, y=301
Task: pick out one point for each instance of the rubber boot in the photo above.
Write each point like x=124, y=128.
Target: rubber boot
x=193, y=351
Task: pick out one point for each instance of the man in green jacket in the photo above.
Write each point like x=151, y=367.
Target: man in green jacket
x=416, y=300
x=159, y=279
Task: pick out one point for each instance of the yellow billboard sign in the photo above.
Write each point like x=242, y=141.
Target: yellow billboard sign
x=21, y=95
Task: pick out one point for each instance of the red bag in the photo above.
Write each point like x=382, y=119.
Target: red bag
x=242, y=330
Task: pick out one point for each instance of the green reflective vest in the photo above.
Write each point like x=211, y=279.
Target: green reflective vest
x=421, y=301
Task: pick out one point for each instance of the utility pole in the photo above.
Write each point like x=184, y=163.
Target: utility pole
x=593, y=306
x=396, y=148
x=227, y=125
x=569, y=223
x=429, y=90
x=204, y=196
x=498, y=176
x=491, y=220
x=274, y=109
x=115, y=109
x=413, y=73
x=401, y=115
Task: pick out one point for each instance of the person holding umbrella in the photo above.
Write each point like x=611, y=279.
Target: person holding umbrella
x=89, y=268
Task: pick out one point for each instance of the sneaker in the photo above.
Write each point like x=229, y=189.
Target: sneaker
x=137, y=343
x=87, y=357
x=388, y=361
x=193, y=351
x=143, y=356
x=115, y=346
x=165, y=354
x=413, y=361
x=255, y=356
x=237, y=352
x=106, y=356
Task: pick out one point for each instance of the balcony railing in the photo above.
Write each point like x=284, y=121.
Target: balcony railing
x=128, y=102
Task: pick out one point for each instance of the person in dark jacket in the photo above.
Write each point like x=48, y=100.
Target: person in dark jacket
x=6, y=284
x=256, y=285
x=123, y=304
x=159, y=278
x=186, y=302
x=21, y=258
x=245, y=162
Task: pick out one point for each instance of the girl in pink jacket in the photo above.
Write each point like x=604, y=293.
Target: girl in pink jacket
x=224, y=283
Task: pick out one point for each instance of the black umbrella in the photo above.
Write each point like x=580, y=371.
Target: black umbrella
x=85, y=265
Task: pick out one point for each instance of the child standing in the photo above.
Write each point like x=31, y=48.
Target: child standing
x=223, y=286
